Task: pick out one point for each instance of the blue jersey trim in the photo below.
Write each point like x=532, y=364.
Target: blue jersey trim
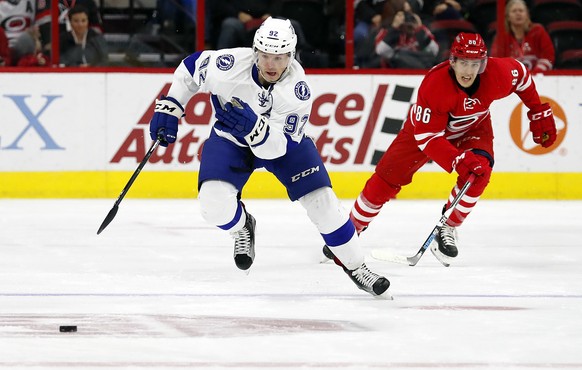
x=340, y=236
x=190, y=61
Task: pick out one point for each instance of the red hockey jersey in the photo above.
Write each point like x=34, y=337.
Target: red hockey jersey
x=444, y=111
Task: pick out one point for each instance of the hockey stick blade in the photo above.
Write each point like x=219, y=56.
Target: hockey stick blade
x=388, y=256
x=384, y=255
x=111, y=215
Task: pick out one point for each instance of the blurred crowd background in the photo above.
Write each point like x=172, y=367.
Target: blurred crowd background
x=413, y=34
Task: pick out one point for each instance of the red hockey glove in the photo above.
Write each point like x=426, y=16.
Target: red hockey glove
x=469, y=163
x=542, y=125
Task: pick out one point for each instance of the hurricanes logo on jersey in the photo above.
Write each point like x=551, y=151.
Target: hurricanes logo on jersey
x=458, y=125
x=470, y=103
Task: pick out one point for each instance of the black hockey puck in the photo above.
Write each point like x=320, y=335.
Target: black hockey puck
x=68, y=329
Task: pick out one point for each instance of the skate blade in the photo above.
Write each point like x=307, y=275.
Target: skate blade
x=445, y=260
x=386, y=296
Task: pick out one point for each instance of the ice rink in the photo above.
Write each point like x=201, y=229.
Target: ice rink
x=158, y=289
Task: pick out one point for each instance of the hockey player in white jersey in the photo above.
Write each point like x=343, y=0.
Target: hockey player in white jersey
x=262, y=101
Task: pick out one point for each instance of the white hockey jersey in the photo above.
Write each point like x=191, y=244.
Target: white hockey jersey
x=229, y=73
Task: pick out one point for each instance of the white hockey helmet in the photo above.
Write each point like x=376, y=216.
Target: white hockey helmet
x=276, y=36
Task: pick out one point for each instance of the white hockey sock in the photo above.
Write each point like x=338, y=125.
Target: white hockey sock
x=350, y=254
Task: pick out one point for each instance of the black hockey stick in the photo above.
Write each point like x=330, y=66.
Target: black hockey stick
x=111, y=215
x=384, y=255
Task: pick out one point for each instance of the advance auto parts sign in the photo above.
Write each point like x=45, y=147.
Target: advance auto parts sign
x=353, y=120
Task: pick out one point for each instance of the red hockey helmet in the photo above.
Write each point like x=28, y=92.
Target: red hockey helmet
x=469, y=46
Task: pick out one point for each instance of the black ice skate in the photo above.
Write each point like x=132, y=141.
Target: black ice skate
x=368, y=281
x=244, y=244
x=445, y=248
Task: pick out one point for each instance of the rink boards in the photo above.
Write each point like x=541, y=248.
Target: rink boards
x=82, y=135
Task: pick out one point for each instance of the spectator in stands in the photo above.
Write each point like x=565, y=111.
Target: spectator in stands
x=369, y=15
x=27, y=51
x=407, y=43
x=523, y=40
x=44, y=16
x=82, y=46
x=4, y=49
x=239, y=19
x=371, y=18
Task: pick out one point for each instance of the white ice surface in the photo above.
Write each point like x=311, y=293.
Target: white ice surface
x=158, y=289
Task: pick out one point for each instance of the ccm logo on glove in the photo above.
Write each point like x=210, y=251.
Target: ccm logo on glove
x=168, y=107
x=540, y=115
x=164, y=124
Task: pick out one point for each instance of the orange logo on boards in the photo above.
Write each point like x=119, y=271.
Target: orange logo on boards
x=521, y=135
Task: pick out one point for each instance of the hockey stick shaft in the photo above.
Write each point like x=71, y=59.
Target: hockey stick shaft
x=111, y=215
x=414, y=259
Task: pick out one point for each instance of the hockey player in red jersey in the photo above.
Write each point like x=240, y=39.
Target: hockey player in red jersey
x=451, y=125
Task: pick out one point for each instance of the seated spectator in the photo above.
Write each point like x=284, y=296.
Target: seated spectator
x=239, y=19
x=27, y=50
x=4, y=49
x=43, y=18
x=371, y=17
x=82, y=46
x=523, y=40
x=407, y=43
x=368, y=20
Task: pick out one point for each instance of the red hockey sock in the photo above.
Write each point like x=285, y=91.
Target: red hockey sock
x=462, y=209
x=363, y=212
x=370, y=201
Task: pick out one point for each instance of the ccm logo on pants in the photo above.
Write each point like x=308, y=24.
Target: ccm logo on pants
x=304, y=173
